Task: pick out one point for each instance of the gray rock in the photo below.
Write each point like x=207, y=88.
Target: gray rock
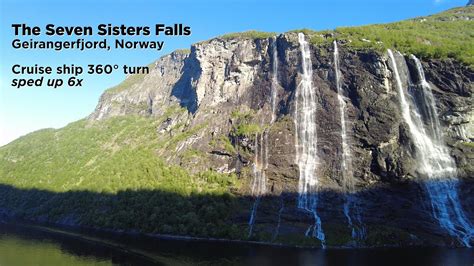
x=219, y=77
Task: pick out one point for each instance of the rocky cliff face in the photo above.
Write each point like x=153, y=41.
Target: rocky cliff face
x=218, y=97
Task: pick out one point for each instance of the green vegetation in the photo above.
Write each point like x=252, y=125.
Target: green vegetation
x=172, y=110
x=243, y=123
x=107, y=157
x=182, y=135
x=381, y=235
x=127, y=83
x=149, y=211
x=182, y=51
x=14, y=250
x=445, y=35
x=223, y=142
x=248, y=129
x=228, y=145
x=189, y=154
x=130, y=81
x=251, y=34
x=337, y=234
x=107, y=174
x=467, y=144
x=247, y=114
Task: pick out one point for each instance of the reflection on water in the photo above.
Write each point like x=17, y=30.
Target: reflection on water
x=32, y=245
x=15, y=251
x=24, y=245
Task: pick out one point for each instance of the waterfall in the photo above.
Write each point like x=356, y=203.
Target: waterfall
x=274, y=79
x=260, y=164
x=434, y=162
x=428, y=107
x=259, y=178
x=306, y=141
x=351, y=206
x=280, y=211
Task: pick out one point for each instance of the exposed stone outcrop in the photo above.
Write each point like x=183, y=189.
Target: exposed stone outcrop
x=148, y=94
x=222, y=77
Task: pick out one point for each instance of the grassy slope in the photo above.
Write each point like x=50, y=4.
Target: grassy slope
x=446, y=35
x=134, y=79
x=107, y=174
x=449, y=34
x=107, y=157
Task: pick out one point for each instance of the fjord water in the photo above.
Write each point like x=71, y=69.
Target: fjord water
x=305, y=120
x=436, y=167
x=22, y=245
x=351, y=205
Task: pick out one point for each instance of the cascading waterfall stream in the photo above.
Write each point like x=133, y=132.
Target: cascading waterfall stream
x=435, y=163
x=259, y=178
x=260, y=164
x=306, y=141
x=351, y=206
x=429, y=106
x=274, y=79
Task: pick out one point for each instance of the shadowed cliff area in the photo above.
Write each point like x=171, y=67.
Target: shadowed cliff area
x=183, y=89
x=397, y=215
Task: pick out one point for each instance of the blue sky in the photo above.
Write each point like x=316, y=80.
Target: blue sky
x=29, y=109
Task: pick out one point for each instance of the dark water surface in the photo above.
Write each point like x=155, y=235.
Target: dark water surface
x=36, y=245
